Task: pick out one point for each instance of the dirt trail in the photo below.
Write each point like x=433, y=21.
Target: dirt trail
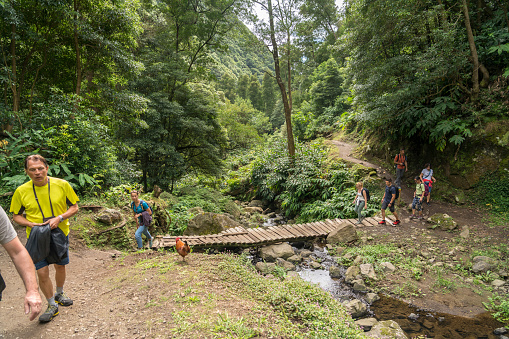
x=82, y=284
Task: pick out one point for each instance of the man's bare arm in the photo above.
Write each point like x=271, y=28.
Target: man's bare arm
x=26, y=270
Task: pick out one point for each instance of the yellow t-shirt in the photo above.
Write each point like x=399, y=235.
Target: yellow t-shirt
x=62, y=196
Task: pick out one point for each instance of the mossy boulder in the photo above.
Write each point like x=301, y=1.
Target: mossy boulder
x=442, y=221
x=169, y=198
x=209, y=223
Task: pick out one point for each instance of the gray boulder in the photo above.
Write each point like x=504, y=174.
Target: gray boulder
x=270, y=253
x=256, y=203
x=497, y=283
x=356, y=308
x=253, y=210
x=209, y=223
x=442, y=221
x=288, y=266
x=109, y=216
x=387, y=329
x=334, y=272
x=367, y=323
x=483, y=264
x=371, y=298
x=351, y=274
x=367, y=270
x=359, y=286
x=295, y=259
x=305, y=253
x=343, y=234
x=315, y=265
x=265, y=267
x=387, y=267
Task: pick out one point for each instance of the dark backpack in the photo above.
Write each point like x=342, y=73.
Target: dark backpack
x=397, y=193
x=368, y=198
x=141, y=203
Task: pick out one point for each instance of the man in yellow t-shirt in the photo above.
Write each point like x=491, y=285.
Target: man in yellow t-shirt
x=46, y=201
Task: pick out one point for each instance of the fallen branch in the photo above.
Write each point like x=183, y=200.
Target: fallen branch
x=122, y=224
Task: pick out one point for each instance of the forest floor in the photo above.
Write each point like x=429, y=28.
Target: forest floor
x=151, y=294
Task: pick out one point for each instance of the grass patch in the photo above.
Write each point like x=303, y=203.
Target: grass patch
x=222, y=296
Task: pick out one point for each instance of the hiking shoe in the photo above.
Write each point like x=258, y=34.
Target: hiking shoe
x=413, y=217
x=63, y=299
x=50, y=313
x=381, y=222
x=397, y=222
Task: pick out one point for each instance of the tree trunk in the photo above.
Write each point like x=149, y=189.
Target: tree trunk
x=14, y=80
x=288, y=111
x=288, y=52
x=475, y=60
x=504, y=7
x=78, y=52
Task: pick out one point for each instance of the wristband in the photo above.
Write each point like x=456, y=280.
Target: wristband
x=61, y=218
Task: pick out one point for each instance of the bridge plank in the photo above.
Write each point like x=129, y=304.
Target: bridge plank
x=228, y=239
x=261, y=234
x=311, y=227
x=291, y=231
x=328, y=227
x=370, y=221
x=334, y=224
x=254, y=235
x=390, y=217
x=303, y=231
x=278, y=231
x=273, y=235
x=321, y=228
x=287, y=233
x=233, y=237
x=244, y=235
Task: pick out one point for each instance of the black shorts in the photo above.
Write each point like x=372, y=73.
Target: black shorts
x=385, y=204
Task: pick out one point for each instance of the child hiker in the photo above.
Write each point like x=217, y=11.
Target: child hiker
x=418, y=196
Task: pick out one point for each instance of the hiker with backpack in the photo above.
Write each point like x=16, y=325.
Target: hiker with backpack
x=428, y=179
x=143, y=217
x=401, y=167
x=389, y=200
x=418, y=196
x=360, y=201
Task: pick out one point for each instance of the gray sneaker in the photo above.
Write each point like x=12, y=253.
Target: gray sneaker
x=63, y=299
x=50, y=313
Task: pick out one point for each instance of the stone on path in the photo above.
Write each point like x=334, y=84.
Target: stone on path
x=270, y=253
x=387, y=329
x=344, y=233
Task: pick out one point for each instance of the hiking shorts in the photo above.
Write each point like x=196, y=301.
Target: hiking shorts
x=44, y=263
x=386, y=203
x=417, y=204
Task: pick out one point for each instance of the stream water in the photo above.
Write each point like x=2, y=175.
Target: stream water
x=414, y=321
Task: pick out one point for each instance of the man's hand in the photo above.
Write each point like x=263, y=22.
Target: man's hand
x=33, y=304
x=53, y=222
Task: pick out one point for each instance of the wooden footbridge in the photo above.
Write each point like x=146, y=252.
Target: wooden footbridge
x=241, y=237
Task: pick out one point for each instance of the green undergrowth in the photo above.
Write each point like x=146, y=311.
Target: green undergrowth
x=312, y=311
x=222, y=296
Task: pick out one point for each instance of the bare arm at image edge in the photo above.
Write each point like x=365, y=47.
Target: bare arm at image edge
x=26, y=270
